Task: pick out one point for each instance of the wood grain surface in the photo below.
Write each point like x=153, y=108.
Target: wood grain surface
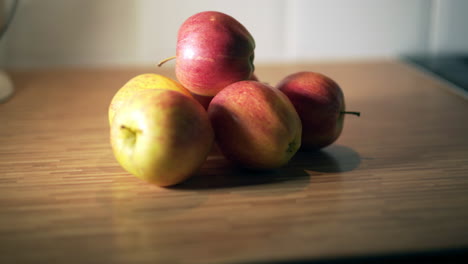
x=396, y=181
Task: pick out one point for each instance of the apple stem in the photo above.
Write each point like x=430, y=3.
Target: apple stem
x=165, y=60
x=351, y=113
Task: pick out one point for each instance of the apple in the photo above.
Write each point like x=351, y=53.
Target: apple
x=256, y=126
x=320, y=103
x=143, y=82
x=213, y=50
x=161, y=136
x=205, y=100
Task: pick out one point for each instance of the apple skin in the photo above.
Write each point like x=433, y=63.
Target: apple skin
x=142, y=82
x=319, y=101
x=205, y=100
x=161, y=136
x=213, y=50
x=256, y=126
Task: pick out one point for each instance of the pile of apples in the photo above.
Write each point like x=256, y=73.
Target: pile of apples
x=162, y=130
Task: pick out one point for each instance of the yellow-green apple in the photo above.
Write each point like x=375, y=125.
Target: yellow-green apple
x=161, y=136
x=255, y=125
x=143, y=82
x=213, y=50
x=320, y=103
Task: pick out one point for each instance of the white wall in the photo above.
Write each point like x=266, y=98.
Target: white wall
x=358, y=28
x=122, y=32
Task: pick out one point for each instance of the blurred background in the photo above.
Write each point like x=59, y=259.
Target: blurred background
x=56, y=33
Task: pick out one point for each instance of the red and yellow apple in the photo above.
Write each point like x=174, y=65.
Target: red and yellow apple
x=143, y=82
x=161, y=136
x=320, y=103
x=256, y=126
x=213, y=50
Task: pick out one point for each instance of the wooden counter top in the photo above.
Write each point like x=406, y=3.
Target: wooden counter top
x=394, y=184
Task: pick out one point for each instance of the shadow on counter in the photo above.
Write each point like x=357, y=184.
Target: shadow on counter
x=440, y=256
x=220, y=173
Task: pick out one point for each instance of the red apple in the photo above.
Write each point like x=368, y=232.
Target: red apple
x=320, y=103
x=213, y=51
x=255, y=125
x=205, y=100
